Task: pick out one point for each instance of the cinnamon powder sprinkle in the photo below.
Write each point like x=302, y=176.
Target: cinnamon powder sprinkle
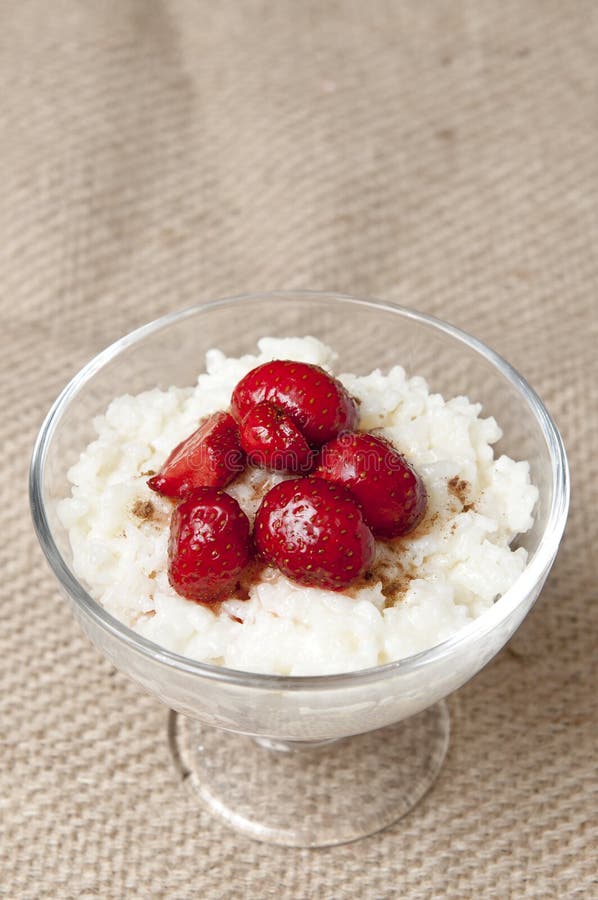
x=143, y=509
x=461, y=489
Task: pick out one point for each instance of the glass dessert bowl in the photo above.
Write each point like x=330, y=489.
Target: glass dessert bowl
x=306, y=760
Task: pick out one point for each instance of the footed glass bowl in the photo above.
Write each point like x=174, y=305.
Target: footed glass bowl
x=318, y=760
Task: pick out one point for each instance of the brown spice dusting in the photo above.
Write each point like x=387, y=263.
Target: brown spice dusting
x=152, y=574
x=394, y=583
x=257, y=492
x=394, y=591
x=458, y=487
x=149, y=514
x=461, y=489
x=148, y=474
x=425, y=526
x=143, y=509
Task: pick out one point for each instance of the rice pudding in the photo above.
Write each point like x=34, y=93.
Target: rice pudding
x=420, y=588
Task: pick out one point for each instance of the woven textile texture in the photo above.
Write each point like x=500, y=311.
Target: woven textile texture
x=154, y=154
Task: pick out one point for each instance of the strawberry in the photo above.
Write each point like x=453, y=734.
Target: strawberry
x=211, y=457
x=209, y=545
x=314, y=532
x=390, y=493
x=271, y=439
x=318, y=404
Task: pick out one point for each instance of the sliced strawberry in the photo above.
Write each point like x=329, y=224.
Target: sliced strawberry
x=209, y=545
x=314, y=532
x=271, y=440
x=317, y=403
x=390, y=493
x=210, y=457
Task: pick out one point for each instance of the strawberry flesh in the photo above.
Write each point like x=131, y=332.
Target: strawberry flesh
x=314, y=532
x=390, y=493
x=209, y=545
x=317, y=403
x=271, y=440
x=210, y=457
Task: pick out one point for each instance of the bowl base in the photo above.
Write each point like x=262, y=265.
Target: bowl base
x=312, y=795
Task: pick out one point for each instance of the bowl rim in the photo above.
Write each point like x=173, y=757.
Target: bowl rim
x=534, y=573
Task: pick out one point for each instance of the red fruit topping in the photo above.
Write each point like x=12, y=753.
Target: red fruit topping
x=209, y=545
x=391, y=495
x=318, y=403
x=271, y=439
x=210, y=457
x=314, y=532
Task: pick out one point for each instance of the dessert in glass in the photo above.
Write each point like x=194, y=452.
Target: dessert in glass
x=307, y=712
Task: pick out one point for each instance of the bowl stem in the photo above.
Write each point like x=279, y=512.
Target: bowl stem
x=312, y=794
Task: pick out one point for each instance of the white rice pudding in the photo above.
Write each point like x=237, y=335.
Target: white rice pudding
x=421, y=588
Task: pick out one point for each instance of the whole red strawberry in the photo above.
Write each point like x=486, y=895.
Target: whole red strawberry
x=271, y=440
x=314, y=532
x=390, y=493
x=210, y=457
x=209, y=545
x=317, y=403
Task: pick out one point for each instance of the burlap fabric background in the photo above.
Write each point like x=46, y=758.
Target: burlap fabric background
x=154, y=154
